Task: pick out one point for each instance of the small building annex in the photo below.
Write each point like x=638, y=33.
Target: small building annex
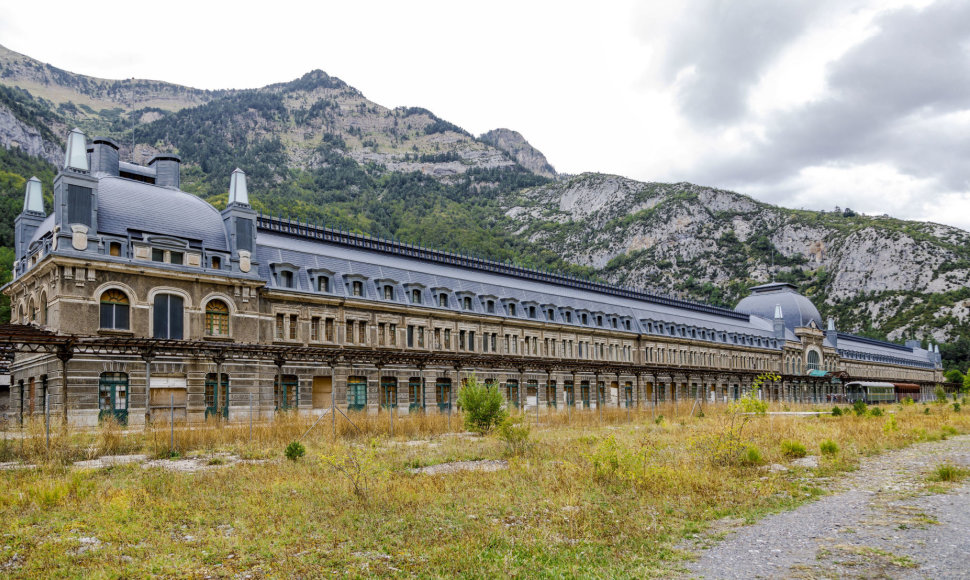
x=149, y=296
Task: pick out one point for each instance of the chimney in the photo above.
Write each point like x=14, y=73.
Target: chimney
x=166, y=170
x=779, y=323
x=104, y=156
x=76, y=154
x=831, y=334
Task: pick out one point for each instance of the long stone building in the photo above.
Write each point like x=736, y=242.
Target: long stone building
x=140, y=297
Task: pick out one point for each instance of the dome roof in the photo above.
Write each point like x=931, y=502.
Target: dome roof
x=796, y=309
x=125, y=205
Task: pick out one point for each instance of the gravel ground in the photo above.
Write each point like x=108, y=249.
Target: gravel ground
x=878, y=523
x=456, y=466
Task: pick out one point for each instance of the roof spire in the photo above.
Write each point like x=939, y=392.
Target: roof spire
x=76, y=155
x=237, y=187
x=34, y=197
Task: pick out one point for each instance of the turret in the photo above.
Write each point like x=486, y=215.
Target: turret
x=831, y=334
x=30, y=218
x=240, y=221
x=779, y=323
x=75, y=197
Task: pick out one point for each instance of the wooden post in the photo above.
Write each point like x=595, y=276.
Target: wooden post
x=148, y=356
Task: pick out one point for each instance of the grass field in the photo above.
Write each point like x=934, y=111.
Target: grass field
x=587, y=495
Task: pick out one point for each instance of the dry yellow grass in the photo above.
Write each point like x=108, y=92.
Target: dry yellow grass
x=594, y=495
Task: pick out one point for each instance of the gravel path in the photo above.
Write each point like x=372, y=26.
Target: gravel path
x=878, y=523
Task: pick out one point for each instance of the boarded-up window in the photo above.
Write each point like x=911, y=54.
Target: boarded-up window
x=78, y=205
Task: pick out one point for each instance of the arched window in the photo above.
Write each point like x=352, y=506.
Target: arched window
x=813, y=362
x=216, y=318
x=114, y=310
x=32, y=310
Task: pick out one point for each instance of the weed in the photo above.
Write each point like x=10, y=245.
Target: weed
x=875, y=412
x=793, y=449
x=948, y=472
x=828, y=447
x=752, y=456
x=482, y=404
x=836, y=411
x=956, y=407
x=926, y=410
x=890, y=425
x=860, y=408
x=659, y=420
x=515, y=434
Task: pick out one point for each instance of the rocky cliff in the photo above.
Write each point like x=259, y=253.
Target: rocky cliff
x=513, y=143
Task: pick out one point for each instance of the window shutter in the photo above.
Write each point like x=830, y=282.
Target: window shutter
x=175, y=317
x=244, y=234
x=78, y=205
x=160, y=316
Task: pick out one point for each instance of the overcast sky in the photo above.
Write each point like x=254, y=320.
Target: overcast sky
x=813, y=104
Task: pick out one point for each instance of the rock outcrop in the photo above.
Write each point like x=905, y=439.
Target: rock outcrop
x=513, y=143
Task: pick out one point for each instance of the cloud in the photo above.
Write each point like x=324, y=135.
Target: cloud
x=896, y=103
x=718, y=49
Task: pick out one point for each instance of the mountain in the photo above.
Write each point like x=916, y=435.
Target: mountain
x=317, y=149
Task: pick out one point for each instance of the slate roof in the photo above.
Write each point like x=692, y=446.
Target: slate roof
x=125, y=205
x=796, y=309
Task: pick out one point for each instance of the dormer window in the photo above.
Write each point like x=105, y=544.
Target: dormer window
x=584, y=320
x=356, y=288
x=176, y=258
x=323, y=284
x=388, y=292
x=443, y=300
x=416, y=296
x=114, y=249
x=532, y=312
x=216, y=263
x=599, y=321
x=569, y=317
x=511, y=309
x=613, y=323
x=466, y=303
x=551, y=314
x=627, y=325
x=490, y=306
x=158, y=255
x=286, y=279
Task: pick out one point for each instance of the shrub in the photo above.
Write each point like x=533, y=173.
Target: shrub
x=875, y=412
x=940, y=395
x=908, y=401
x=956, y=407
x=793, y=449
x=659, y=420
x=926, y=410
x=828, y=447
x=294, y=451
x=836, y=411
x=482, y=405
x=860, y=408
x=515, y=434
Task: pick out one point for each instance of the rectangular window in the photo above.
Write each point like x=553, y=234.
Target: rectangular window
x=328, y=329
x=448, y=339
x=323, y=284
x=569, y=317
x=294, y=326
x=79, y=205
x=315, y=329
x=494, y=341
x=388, y=292
x=508, y=345
x=167, y=316
x=244, y=234
x=490, y=307
x=349, y=334
x=114, y=249
x=420, y=337
x=216, y=263
x=410, y=336
x=437, y=338
x=392, y=330
x=279, y=326
x=471, y=340
x=175, y=258
x=362, y=334
x=158, y=255
x=381, y=334
x=462, y=336
x=357, y=288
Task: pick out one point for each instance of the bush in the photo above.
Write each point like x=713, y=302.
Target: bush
x=890, y=425
x=908, y=401
x=875, y=412
x=860, y=408
x=926, y=410
x=940, y=395
x=828, y=447
x=294, y=451
x=793, y=449
x=482, y=405
x=956, y=407
x=836, y=411
x=515, y=434
x=659, y=420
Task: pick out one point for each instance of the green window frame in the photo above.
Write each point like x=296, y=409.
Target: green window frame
x=512, y=392
x=443, y=393
x=113, y=397
x=217, y=395
x=289, y=396
x=356, y=393
x=389, y=392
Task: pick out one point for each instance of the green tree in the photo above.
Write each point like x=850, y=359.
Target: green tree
x=482, y=404
x=954, y=376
